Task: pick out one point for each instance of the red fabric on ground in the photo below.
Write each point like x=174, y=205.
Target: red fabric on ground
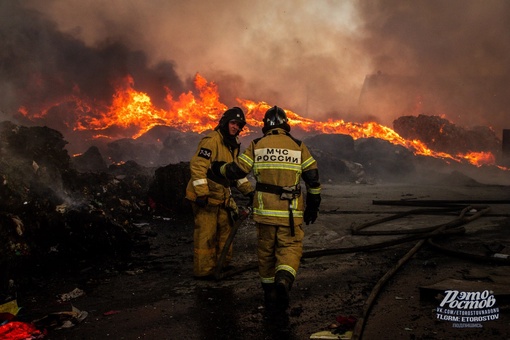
x=17, y=330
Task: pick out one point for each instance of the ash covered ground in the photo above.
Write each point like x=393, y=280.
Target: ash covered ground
x=155, y=296
x=122, y=238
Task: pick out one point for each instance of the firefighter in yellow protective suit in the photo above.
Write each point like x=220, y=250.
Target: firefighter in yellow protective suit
x=279, y=162
x=213, y=205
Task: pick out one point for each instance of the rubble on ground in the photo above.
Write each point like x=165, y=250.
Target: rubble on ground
x=54, y=217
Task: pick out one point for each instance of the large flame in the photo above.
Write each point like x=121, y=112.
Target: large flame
x=134, y=110
x=370, y=129
x=133, y=113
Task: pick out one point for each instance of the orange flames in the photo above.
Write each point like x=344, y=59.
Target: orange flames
x=370, y=129
x=133, y=113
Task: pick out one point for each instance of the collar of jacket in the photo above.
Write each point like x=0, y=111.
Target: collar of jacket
x=276, y=131
x=230, y=141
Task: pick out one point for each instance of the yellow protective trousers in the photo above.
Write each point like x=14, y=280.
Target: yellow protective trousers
x=212, y=228
x=278, y=250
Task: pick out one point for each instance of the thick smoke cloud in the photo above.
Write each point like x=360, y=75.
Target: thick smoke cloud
x=40, y=66
x=447, y=58
x=452, y=56
x=301, y=55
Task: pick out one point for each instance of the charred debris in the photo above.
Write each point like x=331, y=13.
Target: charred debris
x=59, y=212
x=62, y=213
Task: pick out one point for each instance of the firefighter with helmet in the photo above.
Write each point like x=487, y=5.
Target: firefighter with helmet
x=279, y=162
x=214, y=208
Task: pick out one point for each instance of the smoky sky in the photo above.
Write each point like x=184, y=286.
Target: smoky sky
x=351, y=60
x=455, y=54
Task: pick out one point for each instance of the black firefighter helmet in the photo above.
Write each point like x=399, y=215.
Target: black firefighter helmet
x=234, y=113
x=274, y=118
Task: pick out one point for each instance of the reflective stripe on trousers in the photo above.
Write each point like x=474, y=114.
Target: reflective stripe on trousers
x=278, y=250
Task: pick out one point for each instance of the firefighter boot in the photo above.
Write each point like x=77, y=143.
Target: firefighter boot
x=269, y=295
x=283, y=280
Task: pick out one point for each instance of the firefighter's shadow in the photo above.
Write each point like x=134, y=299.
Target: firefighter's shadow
x=219, y=314
x=277, y=325
x=216, y=312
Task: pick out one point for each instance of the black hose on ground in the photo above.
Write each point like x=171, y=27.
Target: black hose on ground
x=423, y=235
x=430, y=233
x=449, y=230
x=462, y=219
x=437, y=203
x=337, y=251
x=469, y=256
x=359, y=229
x=374, y=246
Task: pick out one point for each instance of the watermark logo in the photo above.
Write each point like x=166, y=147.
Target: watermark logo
x=467, y=309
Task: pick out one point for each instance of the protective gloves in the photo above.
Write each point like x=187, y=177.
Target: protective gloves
x=310, y=216
x=201, y=201
x=215, y=168
x=313, y=202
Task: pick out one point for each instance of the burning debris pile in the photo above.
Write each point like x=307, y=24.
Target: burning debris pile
x=54, y=217
x=343, y=159
x=439, y=134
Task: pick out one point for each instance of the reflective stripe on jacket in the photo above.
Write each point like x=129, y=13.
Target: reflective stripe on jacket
x=211, y=148
x=277, y=159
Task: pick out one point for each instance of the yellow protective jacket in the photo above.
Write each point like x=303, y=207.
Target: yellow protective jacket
x=203, y=183
x=277, y=159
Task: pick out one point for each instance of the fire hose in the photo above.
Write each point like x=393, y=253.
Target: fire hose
x=423, y=235
x=218, y=273
x=437, y=203
x=413, y=235
x=462, y=219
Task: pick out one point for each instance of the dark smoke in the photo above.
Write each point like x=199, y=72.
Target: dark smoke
x=41, y=66
x=438, y=57
x=351, y=60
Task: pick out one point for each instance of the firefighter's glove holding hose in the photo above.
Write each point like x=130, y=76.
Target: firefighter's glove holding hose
x=313, y=202
x=216, y=168
x=201, y=201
